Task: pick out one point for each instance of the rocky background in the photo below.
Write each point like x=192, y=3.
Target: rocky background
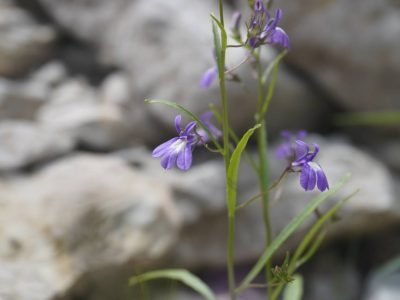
x=83, y=205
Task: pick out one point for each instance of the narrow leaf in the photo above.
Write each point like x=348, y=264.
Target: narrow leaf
x=314, y=230
x=181, y=275
x=190, y=115
x=288, y=231
x=294, y=289
x=272, y=65
x=271, y=87
x=369, y=118
x=234, y=168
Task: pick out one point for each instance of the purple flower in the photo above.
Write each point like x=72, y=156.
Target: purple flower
x=287, y=149
x=178, y=150
x=311, y=172
x=208, y=77
x=301, y=160
x=263, y=28
x=206, y=119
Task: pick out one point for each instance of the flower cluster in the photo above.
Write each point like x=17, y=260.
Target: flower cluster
x=301, y=159
x=263, y=28
x=178, y=150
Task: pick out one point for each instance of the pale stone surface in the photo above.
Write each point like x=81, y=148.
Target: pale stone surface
x=77, y=217
x=24, y=42
x=25, y=143
x=76, y=109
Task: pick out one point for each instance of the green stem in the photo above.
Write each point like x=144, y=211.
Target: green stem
x=226, y=152
x=263, y=175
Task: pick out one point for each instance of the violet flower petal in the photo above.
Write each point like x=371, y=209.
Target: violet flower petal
x=279, y=36
x=208, y=77
x=178, y=120
x=322, y=181
x=164, y=147
x=184, y=160
x=301, y=150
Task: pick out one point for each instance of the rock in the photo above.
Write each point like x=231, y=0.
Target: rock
x=203, y=242
x=330, y=277
x=147, y=35
x=383, y=285
x=79, y=219
x=25, y=143
x=25, y=43
x=51, y=74
x=355, y=71
x=375, y=200
x=193, y=200
x=24, y=282
x=76, y=109
x=23, y=99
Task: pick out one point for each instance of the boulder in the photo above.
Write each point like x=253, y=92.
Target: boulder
x=25, y=43
x=26, y=143
x=77, y=220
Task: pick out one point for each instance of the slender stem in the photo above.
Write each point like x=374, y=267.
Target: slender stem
x=274, y=185
x=263, y=176
x=226, y=152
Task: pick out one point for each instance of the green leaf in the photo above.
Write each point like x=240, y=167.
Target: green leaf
x=294, y=289
x=181, y=275
x=234, y=168
x=224, y=36
x=217, y=44
x=308, y=238
x=288, y=231
x=369, y=118
x=274, y=68
x=220, y=43
x=189, y=114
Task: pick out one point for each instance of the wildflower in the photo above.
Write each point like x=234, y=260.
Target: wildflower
x=208, y=77
x=178, y=150
x=311, y=172
x=287, y=149
x=301, y=160
x=206, y=119
x=263, y=28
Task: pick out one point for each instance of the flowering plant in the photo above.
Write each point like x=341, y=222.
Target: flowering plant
x=261, y=29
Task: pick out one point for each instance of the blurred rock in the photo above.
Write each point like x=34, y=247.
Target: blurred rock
x=375, y=207
x=330, y=277
x=165, y=60
x=50, y=74
x=76, y=109
x=198, y=192
x=383, y=286
x=352, y=56
x=24, y=143
x=22, y=99
x=77, y=218
x=25, y=43
x=25, y=282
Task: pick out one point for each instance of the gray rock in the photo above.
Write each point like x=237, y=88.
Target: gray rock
x=165, y=60
x=21, y=281
x=382, y=286
x=197, y=193
x=78, y=218
x=24, y=42
x=203, y=242
x=26, y=143
x=330, y=277
x=76, y=109
x=352, y=56
x=23, y=99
